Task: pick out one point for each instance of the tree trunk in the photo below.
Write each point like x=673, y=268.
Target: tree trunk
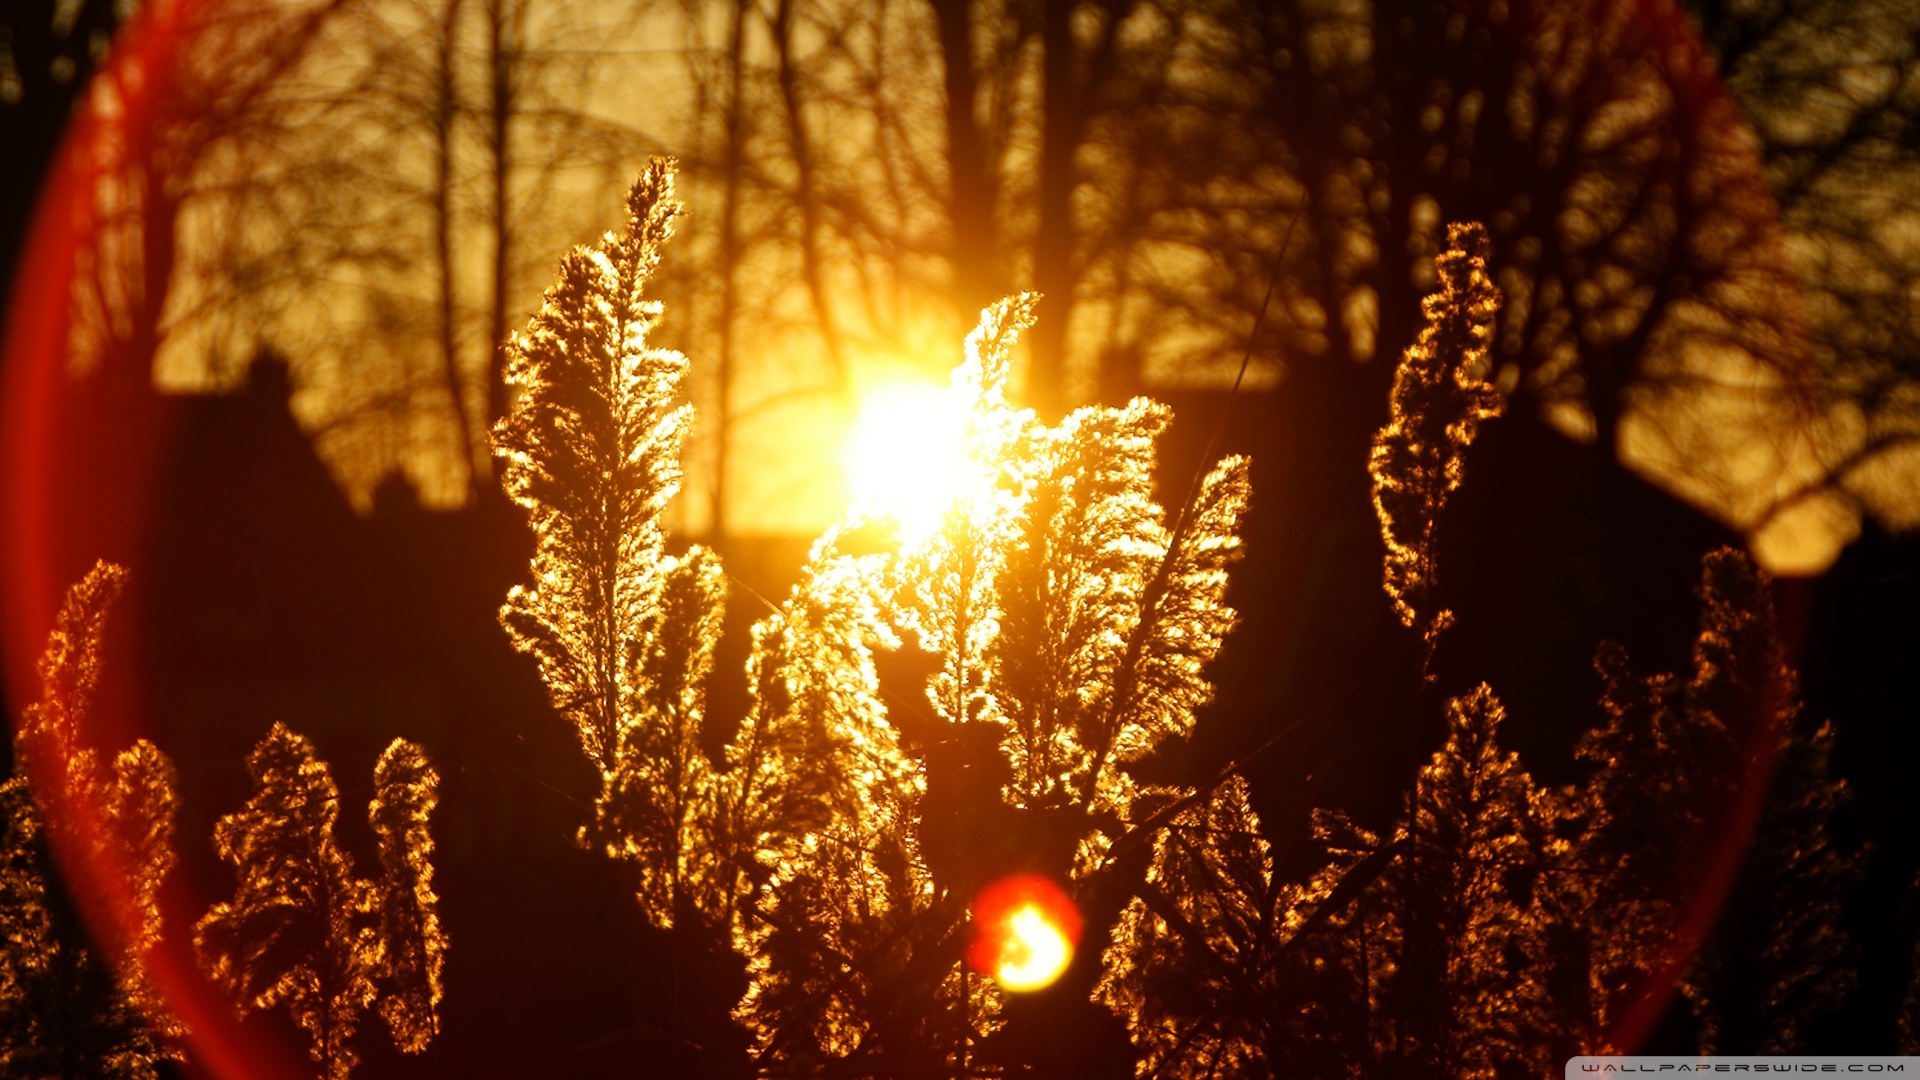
x=1063, y=116
x=731, y=166
x=446, y=110
x=503, y=57
x=973, y=189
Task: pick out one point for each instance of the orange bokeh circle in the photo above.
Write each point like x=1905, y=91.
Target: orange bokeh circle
x=1025, y=928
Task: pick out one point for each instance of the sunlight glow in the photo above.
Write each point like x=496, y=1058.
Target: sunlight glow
x=905, y=457
x=1025, y=929
x=1036, y=951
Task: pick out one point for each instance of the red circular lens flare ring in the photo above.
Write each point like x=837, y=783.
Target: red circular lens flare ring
x=1025, y=929
x=43, y=494
x=36, y=485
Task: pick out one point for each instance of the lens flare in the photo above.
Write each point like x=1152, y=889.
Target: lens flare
x=1024, y=930
x=906, y=457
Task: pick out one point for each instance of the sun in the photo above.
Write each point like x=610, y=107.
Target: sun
x=905, y=458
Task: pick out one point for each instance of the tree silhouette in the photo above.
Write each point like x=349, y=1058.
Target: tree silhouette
x=459, y=128
x=74, y=1004
x=1137, y=162
x=301, y=930
x=174, y=125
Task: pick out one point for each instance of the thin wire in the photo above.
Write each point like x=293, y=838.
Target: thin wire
x=1220, y=422
x=1259, y=320
x=1166, y=815
x=1140, y=833
x=772, y=608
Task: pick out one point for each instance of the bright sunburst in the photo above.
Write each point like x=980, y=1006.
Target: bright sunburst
x=905, y=457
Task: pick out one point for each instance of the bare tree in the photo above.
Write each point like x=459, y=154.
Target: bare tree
x=1829, y=91
x=871, y=173
x=279, y=175
x=467, y=129
x=169, y=125
x=1140, y=164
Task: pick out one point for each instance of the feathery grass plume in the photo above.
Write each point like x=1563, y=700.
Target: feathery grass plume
x=49, y=743
x=1066, y=624
x=946, y=595
x=413, y=947
x=856, y=946
x=1061, y=606
x=1174, y=631
x=657, y=805
x=856, y=961
x=1084, y=544
x=1219, y=968
x=1781, y=956
x=295, y=931
x=63, y=1009
x=1465, y=992
x=623, y=631
x=70, y=1006
x=1504, y=926
x=1440, y=396
x=1642, y=819
x=29, y=950
x=851, y=947
x=1673, y=763
x=1394, y=956
x=134, y=801
x=814, y=756
x=301, y=930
